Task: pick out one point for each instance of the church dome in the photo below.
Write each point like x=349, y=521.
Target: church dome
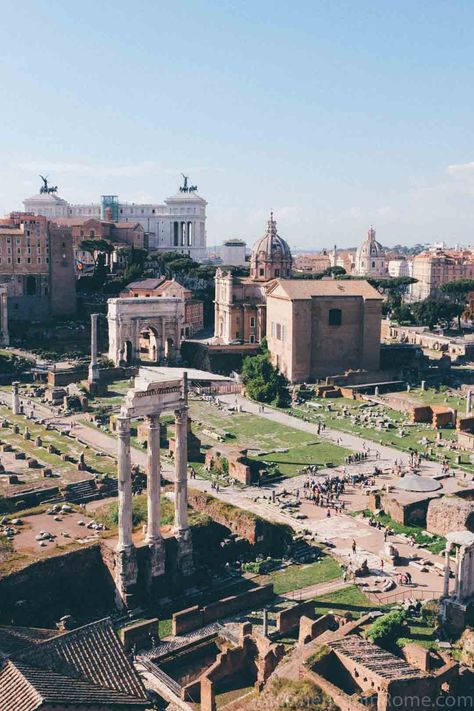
x=370, y=247
x=271, y=255
x=370, y=257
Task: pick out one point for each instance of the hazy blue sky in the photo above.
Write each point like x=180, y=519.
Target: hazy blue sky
x=335, y=114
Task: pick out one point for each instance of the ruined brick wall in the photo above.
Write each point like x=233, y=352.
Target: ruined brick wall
x=423, y=413
x=270, y=538
x=450, y=513
x=465, y=424
x=75, y=583
x=194, y=617
x=288, y=619
x=310, y=629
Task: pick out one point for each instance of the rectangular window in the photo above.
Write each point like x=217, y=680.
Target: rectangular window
x=252, y=322
x=278, y=331
x=273, y=329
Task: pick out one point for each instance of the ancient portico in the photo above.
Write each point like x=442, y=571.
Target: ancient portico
x=148, y=400
x=454, y=605
x=137, y=325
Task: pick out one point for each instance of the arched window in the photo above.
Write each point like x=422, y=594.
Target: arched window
x=335, y=317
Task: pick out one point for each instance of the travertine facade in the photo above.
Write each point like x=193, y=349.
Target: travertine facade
x=321, y=328
x=144, y=327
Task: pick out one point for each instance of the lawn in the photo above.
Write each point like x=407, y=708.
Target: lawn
x=258, y=433
x=331, y=414
x=295, y=577
x=420, y=632
x=347, y=599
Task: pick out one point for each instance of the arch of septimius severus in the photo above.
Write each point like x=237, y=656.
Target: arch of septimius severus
x=149, y=400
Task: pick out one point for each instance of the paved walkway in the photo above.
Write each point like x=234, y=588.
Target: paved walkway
x=338, y=531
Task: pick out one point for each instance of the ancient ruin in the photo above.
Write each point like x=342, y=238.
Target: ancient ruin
x=149, y=400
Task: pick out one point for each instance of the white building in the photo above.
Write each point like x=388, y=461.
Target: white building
x=370, y=258
x=178, y=224
x=233, y=252
x=399, y=268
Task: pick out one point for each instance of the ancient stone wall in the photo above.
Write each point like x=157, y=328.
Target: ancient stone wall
x=194, y=617
x=288, y=619
x=450, y=513
x=76, y=583
x=270, y=538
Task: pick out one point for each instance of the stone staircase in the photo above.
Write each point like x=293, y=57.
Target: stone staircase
x=81, y=491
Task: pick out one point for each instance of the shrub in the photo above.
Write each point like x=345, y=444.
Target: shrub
x=387, y=629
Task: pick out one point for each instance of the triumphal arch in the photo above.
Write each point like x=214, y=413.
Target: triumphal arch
x=144, y=329
x=149, y=400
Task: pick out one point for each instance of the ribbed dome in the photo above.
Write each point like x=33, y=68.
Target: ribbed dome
x=370, y=247
x=271, y=245
x=415, y=482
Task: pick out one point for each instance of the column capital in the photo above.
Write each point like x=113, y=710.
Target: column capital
x=123, y=425
x=153, y=421
x=181, y=414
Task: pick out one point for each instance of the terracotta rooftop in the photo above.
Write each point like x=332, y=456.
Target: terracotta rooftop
x=12, y=639
x=294, y=289
x=86, y=666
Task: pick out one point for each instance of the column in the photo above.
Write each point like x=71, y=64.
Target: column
x=5, y=338
x=469, y=402
x=15, y=399
x=182, y=530
x=153, y=536
x=181, y=470
x=126, y=566
x=447, y=570
x=93, y=366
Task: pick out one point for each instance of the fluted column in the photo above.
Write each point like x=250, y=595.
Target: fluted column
x=181, y=470
x=153, y=537
x=153, y=479
x=182, y=530
x=126, y=566
x=93, y=366
x=447, y=570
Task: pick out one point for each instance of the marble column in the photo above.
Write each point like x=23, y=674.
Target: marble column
x=4, y=335
x=126, y=564
x=94, y=366
x=447, y=570
x=182, y=531
x=15, y=399
x=153, y=537
x=469, y=402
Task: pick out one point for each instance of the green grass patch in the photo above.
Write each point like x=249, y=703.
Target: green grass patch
x=164, y=628
x=295, y=577
x=348, y=599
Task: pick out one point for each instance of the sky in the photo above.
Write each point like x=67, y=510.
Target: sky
x=334, y=114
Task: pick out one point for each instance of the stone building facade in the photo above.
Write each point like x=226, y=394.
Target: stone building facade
x=37, y=267
x=321, y=328
x=240, y=302
x=370, y=258
x=439, y=266
x=177, y=224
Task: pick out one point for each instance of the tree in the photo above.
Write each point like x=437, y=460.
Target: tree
x=394, y=290
x=432, y=312
x=263, y=382
x=96, y=247
x=456, y=292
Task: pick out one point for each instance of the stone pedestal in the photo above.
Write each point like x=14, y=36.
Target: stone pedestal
x=185, y=552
